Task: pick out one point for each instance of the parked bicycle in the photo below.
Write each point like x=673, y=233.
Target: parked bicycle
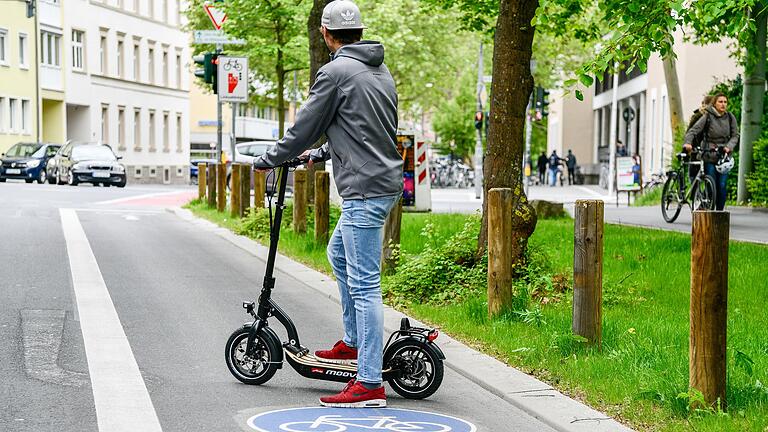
x=698, y=192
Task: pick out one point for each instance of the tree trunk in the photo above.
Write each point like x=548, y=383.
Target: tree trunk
x=752, y=98
x=512, y=85
x=318, y=56
x=674, y=98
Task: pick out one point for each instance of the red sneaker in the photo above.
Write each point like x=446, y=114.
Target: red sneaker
x=355, y=395
x=340, y=352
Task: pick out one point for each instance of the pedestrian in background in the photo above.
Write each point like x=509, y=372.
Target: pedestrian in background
x=720, y=137
x=621, y=149
x=570, y=163
x=542, y=165
x=554, y=167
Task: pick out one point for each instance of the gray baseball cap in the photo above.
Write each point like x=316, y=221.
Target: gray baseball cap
x=342, y=14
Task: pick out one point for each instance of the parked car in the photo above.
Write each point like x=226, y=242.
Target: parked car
x=194, y=171
x=27, y=161
x=89, y=163
x=248, y=151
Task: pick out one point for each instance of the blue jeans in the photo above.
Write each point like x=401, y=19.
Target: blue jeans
x=721, y=182
x=553, y=176
x=354, y=251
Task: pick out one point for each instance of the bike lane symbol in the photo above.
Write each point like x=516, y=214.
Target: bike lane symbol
x=319, y=419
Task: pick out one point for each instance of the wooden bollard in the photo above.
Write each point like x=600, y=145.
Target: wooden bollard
x=236, y=188
x=245, y=189
x=500, y=288
x=588, y=271
x=201, y=177
x=300, y=201
x=212, y=171
x=221, y=187
x=259, y=189
x=709, y=304
x=322, y=205
x=391, y=238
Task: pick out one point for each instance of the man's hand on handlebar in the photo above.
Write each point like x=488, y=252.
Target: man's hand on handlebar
x=687, y=148
x=260, y=166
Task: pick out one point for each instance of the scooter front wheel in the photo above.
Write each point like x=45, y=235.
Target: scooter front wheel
x=257, y=368
x=421, y=368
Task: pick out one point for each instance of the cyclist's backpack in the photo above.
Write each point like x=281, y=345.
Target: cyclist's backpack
x=699, y=137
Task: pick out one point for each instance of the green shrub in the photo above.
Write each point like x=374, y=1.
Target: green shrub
x=757, y=182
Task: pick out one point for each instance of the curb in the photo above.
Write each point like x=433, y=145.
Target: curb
x=536, y=398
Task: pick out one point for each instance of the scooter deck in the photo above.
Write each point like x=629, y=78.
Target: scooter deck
x=310, y=366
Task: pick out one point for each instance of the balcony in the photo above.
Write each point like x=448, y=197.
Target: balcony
x=51, y=78
x=50, y=13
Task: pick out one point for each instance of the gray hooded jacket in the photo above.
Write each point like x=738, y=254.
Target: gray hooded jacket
x=354, y=103
x=722, y=130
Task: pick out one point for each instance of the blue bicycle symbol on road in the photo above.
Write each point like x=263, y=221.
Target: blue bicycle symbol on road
x=356, y=420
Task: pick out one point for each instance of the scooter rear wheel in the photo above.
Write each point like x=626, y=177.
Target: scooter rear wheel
x=421, y=368
x=258, y=368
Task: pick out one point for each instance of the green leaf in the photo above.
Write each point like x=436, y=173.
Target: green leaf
x=744, y=362
x=585, y=79
x=579, y=95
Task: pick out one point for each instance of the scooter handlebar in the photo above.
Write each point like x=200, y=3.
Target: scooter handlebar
x=258, y=163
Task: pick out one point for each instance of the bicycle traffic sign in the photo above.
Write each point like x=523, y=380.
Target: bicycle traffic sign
x=233, y=79
x=319, y=419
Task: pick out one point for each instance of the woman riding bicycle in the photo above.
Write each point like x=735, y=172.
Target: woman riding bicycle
x=720, y=137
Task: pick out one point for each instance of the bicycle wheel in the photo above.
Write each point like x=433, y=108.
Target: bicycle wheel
x=309, y=426
x=256, y=369
x=671, y=204
x=704, y=195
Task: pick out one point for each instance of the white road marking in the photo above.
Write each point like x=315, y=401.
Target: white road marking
x=130, y=218
x=117, y=211
x=135, y=197
x=120, y=396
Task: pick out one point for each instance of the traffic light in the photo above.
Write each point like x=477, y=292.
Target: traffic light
x=479, y=120
x=542, y=101
x=208, y=71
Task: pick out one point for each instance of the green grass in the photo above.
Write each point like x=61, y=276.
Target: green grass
x=649, y=198
x=642, y=369
x=643, y=366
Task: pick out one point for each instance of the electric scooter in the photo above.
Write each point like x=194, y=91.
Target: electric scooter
x=413, y=363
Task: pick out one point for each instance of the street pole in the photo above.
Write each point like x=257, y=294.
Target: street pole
x=232, y=137
x=612, y=134
x=479, y=141
x=219, y=49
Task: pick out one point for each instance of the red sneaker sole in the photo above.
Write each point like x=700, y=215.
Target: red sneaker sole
x=373, y=403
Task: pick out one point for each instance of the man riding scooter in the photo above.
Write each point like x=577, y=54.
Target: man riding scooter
x=354, y=103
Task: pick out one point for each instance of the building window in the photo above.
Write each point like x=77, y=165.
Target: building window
x=121, y=128
x=50, y=46
x=23, y=50
x=152, y=131
x=2, y=114
x=179, y=144
x=12, y=109
x=178, y=13
x=3, y=46
x=103, y=54
x=151, y=64
x=165, y=10
x=178, y=70
x=136, y=61
x=25, y=116
x=78, y=50
x=105, y=124
x=120, y=57
x=151, y=6
x=165, y=67
x=137, y=129
x=166, y=134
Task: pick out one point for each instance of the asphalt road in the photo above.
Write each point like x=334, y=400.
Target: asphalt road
x=175, y=293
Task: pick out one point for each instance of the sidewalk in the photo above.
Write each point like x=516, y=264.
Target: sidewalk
x=464, y=201
x=538, y=399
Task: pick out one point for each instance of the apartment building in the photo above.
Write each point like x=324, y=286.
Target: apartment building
x=128, y=82
x=18, y=76
x=642, y=115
